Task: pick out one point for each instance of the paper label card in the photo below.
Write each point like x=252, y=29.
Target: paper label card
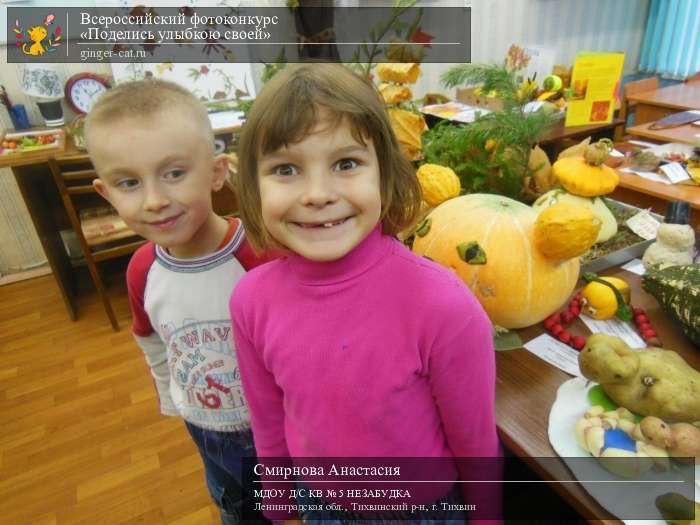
x=644, y=225
x=649, y=175
x=615, y=327
x=675, y=172
x=555, y=353
x=635, y=266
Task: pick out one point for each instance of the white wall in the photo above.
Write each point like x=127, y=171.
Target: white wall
x=566, y=26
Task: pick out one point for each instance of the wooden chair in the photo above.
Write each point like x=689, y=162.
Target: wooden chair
x=73, y=177
x=627, y=106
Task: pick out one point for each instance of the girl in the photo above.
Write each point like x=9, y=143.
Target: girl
x=350, y=345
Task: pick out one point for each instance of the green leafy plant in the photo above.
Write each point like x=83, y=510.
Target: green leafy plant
x=491, y=154
x=364, y=58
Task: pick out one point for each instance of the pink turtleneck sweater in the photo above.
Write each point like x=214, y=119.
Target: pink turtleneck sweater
x=379, y=354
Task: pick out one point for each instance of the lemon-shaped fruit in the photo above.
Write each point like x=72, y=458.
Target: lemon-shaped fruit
x=599, y=301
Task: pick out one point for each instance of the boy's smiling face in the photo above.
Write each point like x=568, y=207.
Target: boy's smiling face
x=159, y=173
x=320, y=197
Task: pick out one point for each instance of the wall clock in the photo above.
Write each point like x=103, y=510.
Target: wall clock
x=83, y=89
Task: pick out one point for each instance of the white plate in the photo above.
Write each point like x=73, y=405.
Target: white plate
x=569, y=406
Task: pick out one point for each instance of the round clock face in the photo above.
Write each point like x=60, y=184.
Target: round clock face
x=83, y=89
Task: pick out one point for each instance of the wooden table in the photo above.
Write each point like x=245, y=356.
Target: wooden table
x=645, y=193
x=656, y=104
x=526, y=388
x=560, y=132
x=687, y=134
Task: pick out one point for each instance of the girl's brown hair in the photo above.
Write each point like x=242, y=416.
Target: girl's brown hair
x=285, y=112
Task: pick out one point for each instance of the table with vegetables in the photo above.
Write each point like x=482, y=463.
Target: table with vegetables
x=523, y=263
x=595, y=363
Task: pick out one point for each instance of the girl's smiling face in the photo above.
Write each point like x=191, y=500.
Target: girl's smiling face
x=320, y=197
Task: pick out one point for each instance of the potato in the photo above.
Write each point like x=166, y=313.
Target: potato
x=656, y=432
x=651, y=382
x=685, y=442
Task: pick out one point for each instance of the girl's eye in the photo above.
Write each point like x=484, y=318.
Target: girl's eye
x=285, y=170
x=346, y=164
x=174, y=174
x=127, y=184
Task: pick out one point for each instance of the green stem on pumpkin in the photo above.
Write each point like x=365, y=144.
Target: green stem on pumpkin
x=624, y=312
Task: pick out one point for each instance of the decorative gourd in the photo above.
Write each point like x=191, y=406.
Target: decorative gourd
x=587, y=176
x=608, y=224
x=438, y=183
x=677, y=289
x=541, y=168
x=674, y=246
x=488, y=241
x=566, y=230
x=600, y=301
x=576, y=150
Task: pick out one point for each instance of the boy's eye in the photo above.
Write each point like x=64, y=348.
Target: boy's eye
x=285, y=170
x=174, y=174
x=346, y=164
x=127, y=184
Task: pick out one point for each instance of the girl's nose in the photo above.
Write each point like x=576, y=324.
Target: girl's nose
x=319, y=190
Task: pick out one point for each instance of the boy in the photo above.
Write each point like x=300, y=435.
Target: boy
x=152, y=146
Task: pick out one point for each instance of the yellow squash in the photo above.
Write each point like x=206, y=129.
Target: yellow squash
x=587, y=176
x=438, y=183
x=566, y=230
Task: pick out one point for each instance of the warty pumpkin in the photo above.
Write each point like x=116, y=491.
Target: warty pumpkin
x=488, y=241
x=438, y=183
x=566, y=230
x=608, y=223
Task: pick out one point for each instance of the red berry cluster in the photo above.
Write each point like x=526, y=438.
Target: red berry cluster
x=555, y=324
x=644, y=328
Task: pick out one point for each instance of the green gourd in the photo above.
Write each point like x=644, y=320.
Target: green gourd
x=677, y=289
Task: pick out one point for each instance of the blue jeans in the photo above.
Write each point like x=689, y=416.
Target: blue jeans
x=230, y=487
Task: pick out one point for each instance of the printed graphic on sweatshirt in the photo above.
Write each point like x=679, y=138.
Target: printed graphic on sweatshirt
x=206, y=382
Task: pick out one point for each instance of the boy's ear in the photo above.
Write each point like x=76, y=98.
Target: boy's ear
x=101, y=189
x=220, y=171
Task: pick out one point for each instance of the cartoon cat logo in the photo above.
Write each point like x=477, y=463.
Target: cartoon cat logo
x=37, y=35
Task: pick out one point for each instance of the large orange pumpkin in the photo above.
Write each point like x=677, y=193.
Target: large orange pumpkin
x=488, y=241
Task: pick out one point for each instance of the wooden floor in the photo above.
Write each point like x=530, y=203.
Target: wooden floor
x=81, y=439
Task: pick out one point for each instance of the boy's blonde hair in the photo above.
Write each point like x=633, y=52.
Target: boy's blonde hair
x=287, y=109
x=144, y=99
